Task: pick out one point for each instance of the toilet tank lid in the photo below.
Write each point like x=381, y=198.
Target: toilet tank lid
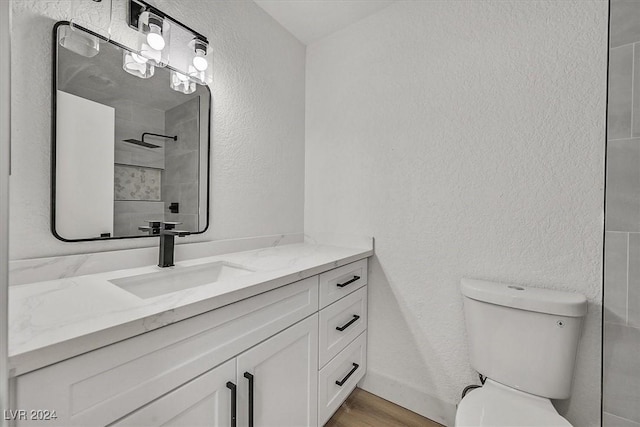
x=526, y=298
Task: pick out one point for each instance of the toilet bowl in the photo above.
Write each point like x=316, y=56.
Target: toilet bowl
x=524, y=340
x=496, y=405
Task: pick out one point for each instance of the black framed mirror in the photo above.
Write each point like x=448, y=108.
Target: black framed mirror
x=125, y=149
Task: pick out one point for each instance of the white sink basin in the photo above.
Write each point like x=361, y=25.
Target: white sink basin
x=178, y=278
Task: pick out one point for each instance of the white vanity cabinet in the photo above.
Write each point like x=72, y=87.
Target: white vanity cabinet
x=259, y=355
x=343, y=335
x=272, y=384
x=207, y=400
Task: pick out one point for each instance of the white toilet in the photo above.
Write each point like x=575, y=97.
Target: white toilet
x=524, y=341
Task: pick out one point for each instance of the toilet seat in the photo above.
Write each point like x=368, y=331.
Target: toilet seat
x=497, y=405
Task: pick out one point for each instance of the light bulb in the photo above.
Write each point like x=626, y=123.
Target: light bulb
x=199, y=61
x=200, y=69
x=154, y=38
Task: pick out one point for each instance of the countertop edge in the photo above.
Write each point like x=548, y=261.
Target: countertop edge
x=22, y=363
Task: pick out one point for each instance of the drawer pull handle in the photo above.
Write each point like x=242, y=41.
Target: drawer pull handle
x=248, y=376
x=349, y=323
x=231, y=386
x=344, y=380
x=348, y=282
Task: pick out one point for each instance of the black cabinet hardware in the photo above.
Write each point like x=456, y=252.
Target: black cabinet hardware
x=348, y=282
x=248, y=376
x=349, y=323
x=344, y=380
x=234, y=401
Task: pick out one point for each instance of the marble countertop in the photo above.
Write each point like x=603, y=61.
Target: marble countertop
x=53, y=320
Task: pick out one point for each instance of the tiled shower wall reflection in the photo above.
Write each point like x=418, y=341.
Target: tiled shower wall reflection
x=621, y=395
x=180, y=177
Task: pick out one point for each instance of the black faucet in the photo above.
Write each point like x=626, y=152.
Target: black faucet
x=167, y=233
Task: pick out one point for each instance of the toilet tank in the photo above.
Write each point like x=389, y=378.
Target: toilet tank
x=525, y=338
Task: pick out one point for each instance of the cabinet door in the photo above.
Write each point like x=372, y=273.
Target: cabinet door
x=203, y=401
x=284, y=374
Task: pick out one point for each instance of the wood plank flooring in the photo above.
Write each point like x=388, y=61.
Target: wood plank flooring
x=363, y=409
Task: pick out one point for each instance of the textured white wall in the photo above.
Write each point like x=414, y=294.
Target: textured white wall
x=468, y=138
x=5, y=138
x=257, y=182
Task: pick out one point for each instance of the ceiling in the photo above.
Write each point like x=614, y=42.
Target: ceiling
x=311, y=20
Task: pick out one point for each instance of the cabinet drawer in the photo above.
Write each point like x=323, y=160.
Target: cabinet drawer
x=99, y=387
x=341, y=322
x=342, y=281
x=352, y=360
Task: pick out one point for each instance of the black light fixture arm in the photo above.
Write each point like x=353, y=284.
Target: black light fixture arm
x=136, y=7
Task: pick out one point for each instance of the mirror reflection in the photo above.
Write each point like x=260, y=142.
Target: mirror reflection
x=129, y=148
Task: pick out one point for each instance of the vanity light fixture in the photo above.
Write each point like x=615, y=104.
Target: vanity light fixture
x=137, y=65
x=83, y=36
x=181, y=83
x=191, y=56
x=154, y=38
x=201, y=67
x=78, y=41
x=199, y=60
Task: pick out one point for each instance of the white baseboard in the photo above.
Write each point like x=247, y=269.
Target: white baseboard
x=407, y=396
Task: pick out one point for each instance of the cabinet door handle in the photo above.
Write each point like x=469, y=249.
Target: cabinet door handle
x=349, y=323
x=234, y=401
x=348, y=282
x=344, y=380
x=249, y=377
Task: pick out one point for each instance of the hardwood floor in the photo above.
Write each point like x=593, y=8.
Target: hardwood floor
x=363, y=409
